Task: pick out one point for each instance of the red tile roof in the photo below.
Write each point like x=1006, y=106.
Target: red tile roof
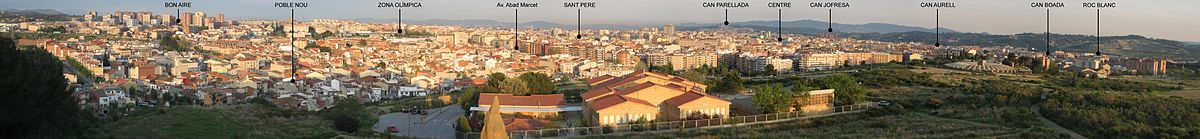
x=613, y=100
x=524, y=124
x=532, y=100
x=688, y=97
x=599, y=79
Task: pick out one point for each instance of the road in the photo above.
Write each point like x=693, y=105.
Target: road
x=439, y=126
x=67, y=68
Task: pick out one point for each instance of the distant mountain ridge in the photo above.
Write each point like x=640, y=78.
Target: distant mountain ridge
x=35, y=12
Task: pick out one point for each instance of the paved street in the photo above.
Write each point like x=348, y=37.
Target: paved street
x=439, y=126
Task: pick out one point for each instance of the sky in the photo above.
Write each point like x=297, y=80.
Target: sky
x=1167, y=19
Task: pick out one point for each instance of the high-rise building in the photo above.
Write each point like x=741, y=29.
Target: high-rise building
x=1151, y=66
x=90, y=16
x=221, y=18
x=825, y=61
x=208, y=22
x=167, y=20
x=669, y=29
x=185, y=19
x=198, y=18
x=146, y=17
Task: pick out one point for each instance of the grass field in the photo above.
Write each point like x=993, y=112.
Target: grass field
x=238, y=121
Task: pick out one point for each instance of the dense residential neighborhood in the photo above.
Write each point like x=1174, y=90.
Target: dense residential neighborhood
x=203, y=74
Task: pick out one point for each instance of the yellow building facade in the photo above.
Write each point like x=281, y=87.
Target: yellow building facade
x=649, y=96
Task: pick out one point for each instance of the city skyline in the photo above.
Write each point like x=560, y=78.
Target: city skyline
x=661, y=69
x=1129, y=18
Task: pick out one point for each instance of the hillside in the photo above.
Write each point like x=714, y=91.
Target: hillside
x=18, y=15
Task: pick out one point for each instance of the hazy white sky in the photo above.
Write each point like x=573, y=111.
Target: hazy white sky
x=1169, y=19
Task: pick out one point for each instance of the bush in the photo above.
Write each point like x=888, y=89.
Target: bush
x=463, y=124
x=934, y=102
x=346, y=123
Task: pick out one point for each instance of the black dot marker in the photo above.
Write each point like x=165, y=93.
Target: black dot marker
x=400, y=31
x=780, y=39
x=178, y=20
x=578, y=36
x=726, y=23
x=937, y=44
x=830, y=20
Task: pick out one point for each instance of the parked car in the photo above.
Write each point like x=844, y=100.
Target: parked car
x=884, y=103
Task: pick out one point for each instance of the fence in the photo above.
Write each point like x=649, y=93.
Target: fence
x=676, y=125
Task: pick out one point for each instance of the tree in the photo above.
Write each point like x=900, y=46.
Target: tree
x=346, y=114
x=769, y=70
x=277, y=30
x=693, y=75
x=469, y=97
x=537, y=83
x=801, y=91
x=312, y=31
x=381, y=65
x=772, y=98
x=514, y=86
x=664, y=69
x=59, y=29
x=325, y=34
x=319, y=47
x=494, y=81
x=35, y=98
x=346, y=123
x=846, y=89
x=169, y=43
x=640, y=65
x=730, y=83
x=463, y=124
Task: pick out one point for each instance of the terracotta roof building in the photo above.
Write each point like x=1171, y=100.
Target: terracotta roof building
x=649, y=96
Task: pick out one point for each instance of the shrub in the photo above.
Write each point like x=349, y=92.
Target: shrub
x=346, y=123
x=463, y=124
x=934, y=102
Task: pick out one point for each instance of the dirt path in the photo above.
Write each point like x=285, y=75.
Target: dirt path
x=958, y=120
x=1051, y=124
